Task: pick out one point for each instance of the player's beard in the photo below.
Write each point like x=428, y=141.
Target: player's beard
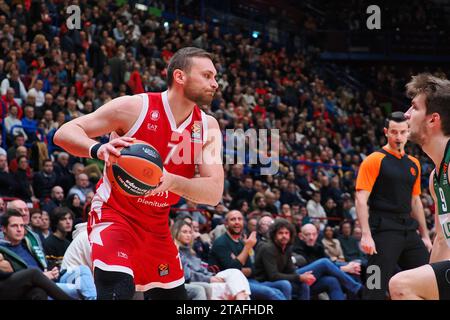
x=199, y=96
x=418, y=136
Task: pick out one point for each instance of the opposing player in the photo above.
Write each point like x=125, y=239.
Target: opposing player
x=132, y=248
x=429, y=121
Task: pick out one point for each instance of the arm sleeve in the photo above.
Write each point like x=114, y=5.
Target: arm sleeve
x=416, y=188
x=368, y=172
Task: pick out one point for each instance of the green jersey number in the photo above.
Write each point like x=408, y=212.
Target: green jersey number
x=443, y=202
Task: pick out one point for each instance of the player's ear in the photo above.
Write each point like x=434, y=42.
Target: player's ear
x=179, y=76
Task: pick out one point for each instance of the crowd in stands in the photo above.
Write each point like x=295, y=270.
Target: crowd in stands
x=50, y=75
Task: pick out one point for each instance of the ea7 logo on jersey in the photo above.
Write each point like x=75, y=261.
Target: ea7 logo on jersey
x=163, y=269
x=152, y=127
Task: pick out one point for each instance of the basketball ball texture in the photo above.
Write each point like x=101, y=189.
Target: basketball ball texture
x=137, y=170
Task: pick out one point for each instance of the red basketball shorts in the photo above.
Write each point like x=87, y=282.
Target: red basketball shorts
x=121, y=245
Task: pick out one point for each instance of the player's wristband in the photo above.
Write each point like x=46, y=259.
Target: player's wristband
x=93, y=150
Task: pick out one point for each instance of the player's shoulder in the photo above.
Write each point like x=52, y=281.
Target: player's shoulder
x=126, y=102
x=210, y=121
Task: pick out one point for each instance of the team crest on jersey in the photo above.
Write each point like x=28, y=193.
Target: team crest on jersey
x=154, y=115
x=163, y=269
x=413, y=171
x=445, y=168
x=196, y=132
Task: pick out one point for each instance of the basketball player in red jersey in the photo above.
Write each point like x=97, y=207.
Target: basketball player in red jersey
x=132, y=248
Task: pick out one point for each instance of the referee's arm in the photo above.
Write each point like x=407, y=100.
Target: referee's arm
x=417, y=209
x=367, y=175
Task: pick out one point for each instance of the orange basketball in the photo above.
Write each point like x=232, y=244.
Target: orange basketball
x=137, y=170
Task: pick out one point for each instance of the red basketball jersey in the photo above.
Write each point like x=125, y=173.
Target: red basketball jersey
x=178, y=147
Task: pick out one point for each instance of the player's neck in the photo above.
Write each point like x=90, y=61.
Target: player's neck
x=435, y=148
x=180, y=106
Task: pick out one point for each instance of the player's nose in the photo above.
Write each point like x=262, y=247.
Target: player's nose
x=408, y=114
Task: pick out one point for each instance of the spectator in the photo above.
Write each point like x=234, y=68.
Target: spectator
x=230, y=283
x=332, y=246
x=6, y=179
x=7, y=101
x=350, y=245
x=273, y=260
x=315, y=210
x=21, y=151
x=331, y=211
x=262, y=230
x=61, y=166
x=56, y=244
x=230, y=251
x=24, y=189
x=44, y=181
x=22, y=255
x=13, y=81
x=37, y=92
x=74, y=204
x=67, y=181
x=56, y=199
x=29, y=284
x=330, y=278
x=196, y=214
x=246, y=192
x=29, y=123
x=12, y=120
x=81, y=188
x=201, y=242
x=36, y=220
x=45, y=226
x=19, y=141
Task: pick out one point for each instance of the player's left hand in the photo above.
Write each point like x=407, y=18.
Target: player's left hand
x=427, y=242
x=167, y=182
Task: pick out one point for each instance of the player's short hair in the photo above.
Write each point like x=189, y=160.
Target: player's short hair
x=437, y=96
x=182, y=59
x=397, y=116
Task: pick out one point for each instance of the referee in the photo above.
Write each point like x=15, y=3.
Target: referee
x=389, y=208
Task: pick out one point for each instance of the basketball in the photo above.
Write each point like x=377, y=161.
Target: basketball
x=137, y=171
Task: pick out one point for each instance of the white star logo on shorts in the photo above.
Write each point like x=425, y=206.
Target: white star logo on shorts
x=95, y=233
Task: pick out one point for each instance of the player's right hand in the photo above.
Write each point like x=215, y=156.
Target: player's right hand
x=368, y=245
x=111, y=147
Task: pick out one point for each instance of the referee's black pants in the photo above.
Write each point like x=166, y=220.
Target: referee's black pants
x=403, y=248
